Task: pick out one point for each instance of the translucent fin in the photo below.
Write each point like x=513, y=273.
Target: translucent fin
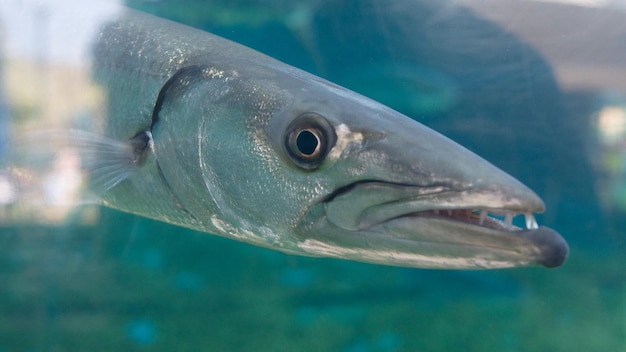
x=92, y=162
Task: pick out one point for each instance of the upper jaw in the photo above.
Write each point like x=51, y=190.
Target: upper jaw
x=365, y=204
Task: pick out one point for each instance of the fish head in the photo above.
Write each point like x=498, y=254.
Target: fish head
x=393, y=191
x=315, y=169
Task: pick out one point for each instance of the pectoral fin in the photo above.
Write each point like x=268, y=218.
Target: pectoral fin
x=88, y=162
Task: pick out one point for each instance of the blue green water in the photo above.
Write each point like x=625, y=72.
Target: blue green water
x=131, y=284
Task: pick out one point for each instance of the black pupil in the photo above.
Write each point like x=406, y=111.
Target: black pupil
x=307, y=142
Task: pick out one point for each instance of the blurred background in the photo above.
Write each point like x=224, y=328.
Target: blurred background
x=538, y=88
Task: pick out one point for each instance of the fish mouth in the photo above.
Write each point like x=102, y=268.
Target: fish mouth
x=471, y=226
x=497, y=219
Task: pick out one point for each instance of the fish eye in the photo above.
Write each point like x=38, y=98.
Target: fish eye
x=308, y=142
x=308, y=139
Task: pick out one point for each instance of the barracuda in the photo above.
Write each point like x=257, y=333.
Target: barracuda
x=207, y=134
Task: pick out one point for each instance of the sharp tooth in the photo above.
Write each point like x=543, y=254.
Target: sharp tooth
x=508, y=219
x=483, y=216
x=531, y=223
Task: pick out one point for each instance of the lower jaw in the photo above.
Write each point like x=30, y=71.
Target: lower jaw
x=519, y=247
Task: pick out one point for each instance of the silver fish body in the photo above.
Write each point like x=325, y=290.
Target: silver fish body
x=219, y=138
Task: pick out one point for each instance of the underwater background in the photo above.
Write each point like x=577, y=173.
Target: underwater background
x=538, y=89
